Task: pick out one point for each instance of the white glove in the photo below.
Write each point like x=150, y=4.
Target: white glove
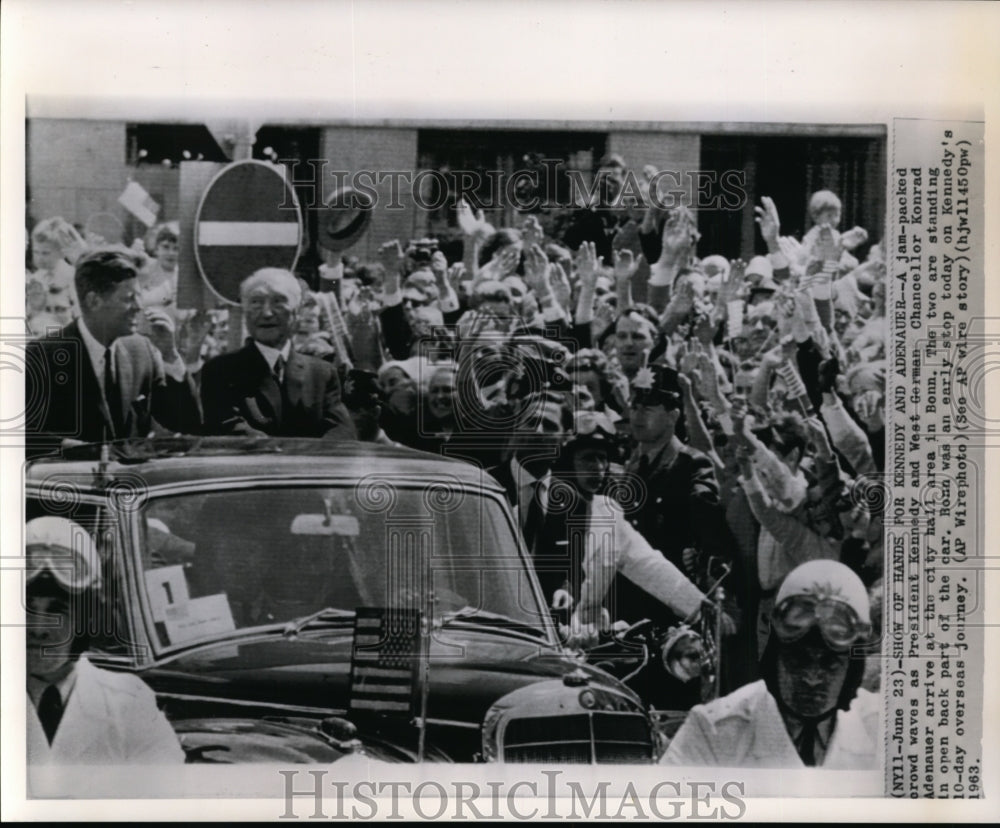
x=582, y=634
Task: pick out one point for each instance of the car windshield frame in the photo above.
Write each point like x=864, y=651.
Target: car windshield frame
x=141, y=611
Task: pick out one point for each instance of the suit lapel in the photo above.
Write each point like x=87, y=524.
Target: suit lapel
x=84, y=729
x=125, y=377
x=505, y=477
x=852, y=743
x=772, y=745
x=90, y=385
x=39, y=749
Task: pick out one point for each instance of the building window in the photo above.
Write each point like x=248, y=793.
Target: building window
x=169, y=144
x=490, y=157
x=789, y=169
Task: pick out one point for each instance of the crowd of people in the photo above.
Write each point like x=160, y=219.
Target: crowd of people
x=725, y=417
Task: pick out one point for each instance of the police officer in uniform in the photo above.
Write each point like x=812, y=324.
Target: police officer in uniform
x=79, y=714
x=675, y=504
x=809, y=710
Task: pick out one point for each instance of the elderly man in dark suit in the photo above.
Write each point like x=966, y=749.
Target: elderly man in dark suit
x=267, y=388
x=100, y=380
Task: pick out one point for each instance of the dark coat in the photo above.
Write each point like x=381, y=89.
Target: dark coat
x=504, y=475
x=557, y=545
x=679, y=506
x=675, y=507
x=63, y=398
x=238, y=389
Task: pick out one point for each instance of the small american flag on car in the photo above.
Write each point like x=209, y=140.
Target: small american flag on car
x=384, y=661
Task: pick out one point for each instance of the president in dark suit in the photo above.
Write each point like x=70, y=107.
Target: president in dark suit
x=97, y=379
x=267, y=388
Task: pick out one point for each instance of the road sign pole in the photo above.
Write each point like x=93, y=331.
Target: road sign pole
x=192, y=293
x=242, y=150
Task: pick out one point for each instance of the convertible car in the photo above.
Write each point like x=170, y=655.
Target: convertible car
x=298, y=601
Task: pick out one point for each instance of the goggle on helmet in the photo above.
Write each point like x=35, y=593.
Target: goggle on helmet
x=837, y=622
x=64, y=550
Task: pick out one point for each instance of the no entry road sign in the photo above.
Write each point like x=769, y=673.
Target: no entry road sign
x=248, y=218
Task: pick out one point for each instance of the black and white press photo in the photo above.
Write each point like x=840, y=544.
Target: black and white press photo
x=382, y=458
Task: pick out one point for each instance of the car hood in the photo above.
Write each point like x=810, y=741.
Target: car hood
x=292, y=740
x=468, y=671
x=238, y=740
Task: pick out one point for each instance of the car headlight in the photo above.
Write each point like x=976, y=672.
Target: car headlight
x=684, y=654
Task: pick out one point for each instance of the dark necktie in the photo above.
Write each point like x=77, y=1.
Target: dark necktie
x=50, y=711
x=561, y=540
x=112, y=395
x=643, y=468
x=535, y=517
x=807, y=744
x=279, y=369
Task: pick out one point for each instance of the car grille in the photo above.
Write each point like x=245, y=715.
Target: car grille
x=582, y=738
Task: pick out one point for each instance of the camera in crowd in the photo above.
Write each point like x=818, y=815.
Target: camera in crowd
x=420, y=251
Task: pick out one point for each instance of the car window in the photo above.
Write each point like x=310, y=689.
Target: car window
x=222, y=561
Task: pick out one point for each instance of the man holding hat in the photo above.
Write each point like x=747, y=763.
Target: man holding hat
x=809, y=709
x=79, y=714
x=676, y=505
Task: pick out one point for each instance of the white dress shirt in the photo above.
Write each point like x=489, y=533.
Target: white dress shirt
x=65, y=685
x=271, y=354
x=526, y=484
x=95, y=350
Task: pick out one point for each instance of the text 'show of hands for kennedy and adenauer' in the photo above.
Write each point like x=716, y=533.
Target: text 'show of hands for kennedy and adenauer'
x=941, y=346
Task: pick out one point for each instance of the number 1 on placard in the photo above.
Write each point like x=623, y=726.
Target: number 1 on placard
x=170, y=594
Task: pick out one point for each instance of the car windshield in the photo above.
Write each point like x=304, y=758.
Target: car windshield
x=218, y=562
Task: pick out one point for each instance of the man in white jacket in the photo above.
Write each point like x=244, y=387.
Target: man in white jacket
x=79, y=714
x=607, y=543
x=809, y=709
